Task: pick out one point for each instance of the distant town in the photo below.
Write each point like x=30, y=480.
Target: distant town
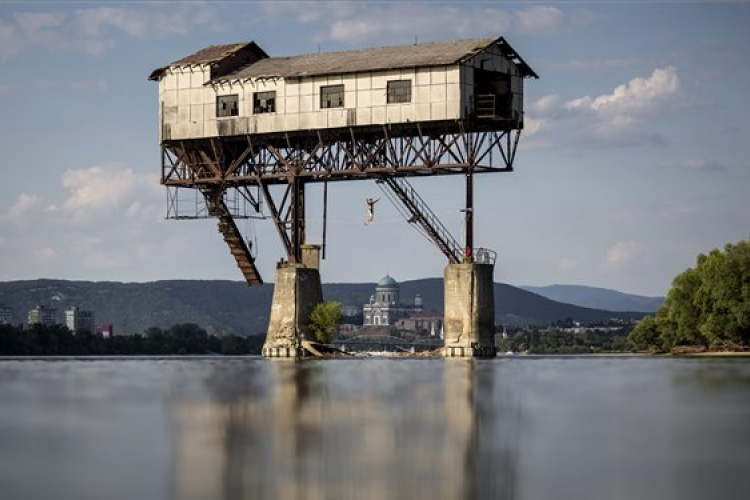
x=74, y=318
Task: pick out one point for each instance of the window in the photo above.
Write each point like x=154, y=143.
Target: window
x=264, y=102
x=399, y=91
x=227, y=105
x=332, y=96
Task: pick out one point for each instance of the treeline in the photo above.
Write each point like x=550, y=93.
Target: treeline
x=559, y=341
x=57, y=340
x=708, y=306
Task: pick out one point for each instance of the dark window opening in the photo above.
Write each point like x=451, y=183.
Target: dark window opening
x=399, y=91
x=492, y=96
x=227, y=105
x=332, y=96
x=264, y=102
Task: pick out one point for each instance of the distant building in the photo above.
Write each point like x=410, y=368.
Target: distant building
x=425, y=324
x=106, y=330
x=78, y=319
x=385, y=306
x=6, y=315
x=42, y=315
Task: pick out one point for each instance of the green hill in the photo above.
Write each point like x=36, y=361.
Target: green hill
x=233, y=307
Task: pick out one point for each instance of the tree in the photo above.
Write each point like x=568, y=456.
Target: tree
x=324, y=320
x=708, y=305
x=646, y=336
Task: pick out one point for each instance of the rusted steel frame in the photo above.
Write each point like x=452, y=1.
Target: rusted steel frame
x=247, y=195
x=318, y=176
x=463, y=152
x=506, y=156
x=291, y=169
x=325, y=218
x=278, y=222
x=494, y=142
x=211, y=165
x=216, y=165
x=356, y=147
x=343, y=151
x=297, y=218
x=316, y=160
x=312, y=156
x=184, y=157
x=239, y=161
x=425, y=142
x=174, y=163
x=478, y=146
x=172, y=207
x=371, y=154
x=391, y=147
x=251, y=162
x=513, y=150
x=448, y=148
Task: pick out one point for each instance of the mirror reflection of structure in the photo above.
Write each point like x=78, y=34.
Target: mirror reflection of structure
x=301, y=430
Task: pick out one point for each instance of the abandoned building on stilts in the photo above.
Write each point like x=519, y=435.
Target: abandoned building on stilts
x=237, y=124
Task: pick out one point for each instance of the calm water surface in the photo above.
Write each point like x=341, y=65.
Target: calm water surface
x=248, y=428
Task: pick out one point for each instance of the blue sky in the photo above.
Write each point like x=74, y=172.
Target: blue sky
x=635, y=158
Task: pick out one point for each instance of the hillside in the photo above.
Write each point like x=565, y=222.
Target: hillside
x=233, y=307
x=597, y=298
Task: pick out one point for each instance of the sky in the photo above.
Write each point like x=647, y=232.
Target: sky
x=635, y=157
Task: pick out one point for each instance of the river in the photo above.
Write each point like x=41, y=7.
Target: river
x=525, y=427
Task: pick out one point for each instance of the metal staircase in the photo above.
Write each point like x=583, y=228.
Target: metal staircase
x=421, y=214
x=239, y=250
x=217, y=207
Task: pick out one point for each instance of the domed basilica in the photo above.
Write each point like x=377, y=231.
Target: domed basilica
x=385, y=306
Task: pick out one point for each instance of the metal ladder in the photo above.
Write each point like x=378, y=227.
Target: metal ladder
x=485, y=106
x=217, y=207
x=426, y=218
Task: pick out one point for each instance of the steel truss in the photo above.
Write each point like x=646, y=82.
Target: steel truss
x=336, y=155
x=249, y=165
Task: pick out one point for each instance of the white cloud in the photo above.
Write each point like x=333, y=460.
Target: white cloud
x=98, y=190
x=639, y=95
x=616, y=119
x=393, y=23
x=93, y=30
x=545, y=105
x=104, y=220
x=620, y=254
x=24, y=204
x=540, y=19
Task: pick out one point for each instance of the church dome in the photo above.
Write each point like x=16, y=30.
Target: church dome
x=387, y=282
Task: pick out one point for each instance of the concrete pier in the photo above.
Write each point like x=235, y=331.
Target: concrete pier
x=297, y=290
x=469, y=323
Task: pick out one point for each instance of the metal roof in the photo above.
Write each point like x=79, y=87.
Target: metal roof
x=371, y=59
x=211, y=54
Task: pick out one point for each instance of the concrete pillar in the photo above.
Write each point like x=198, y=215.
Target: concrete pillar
x=469, y=310
x=311, y=256
x=297, y=290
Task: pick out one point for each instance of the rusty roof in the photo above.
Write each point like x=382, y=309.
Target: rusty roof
x=371, y=59
x=211, y=54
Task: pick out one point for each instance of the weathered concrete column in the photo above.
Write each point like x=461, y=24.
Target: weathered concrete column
x=297, y=290
x=469, y=323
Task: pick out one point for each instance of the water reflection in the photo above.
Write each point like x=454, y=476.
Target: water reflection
x=513, y=428
x=304, y=433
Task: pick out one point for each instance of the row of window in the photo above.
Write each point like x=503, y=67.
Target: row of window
x=331, y=96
